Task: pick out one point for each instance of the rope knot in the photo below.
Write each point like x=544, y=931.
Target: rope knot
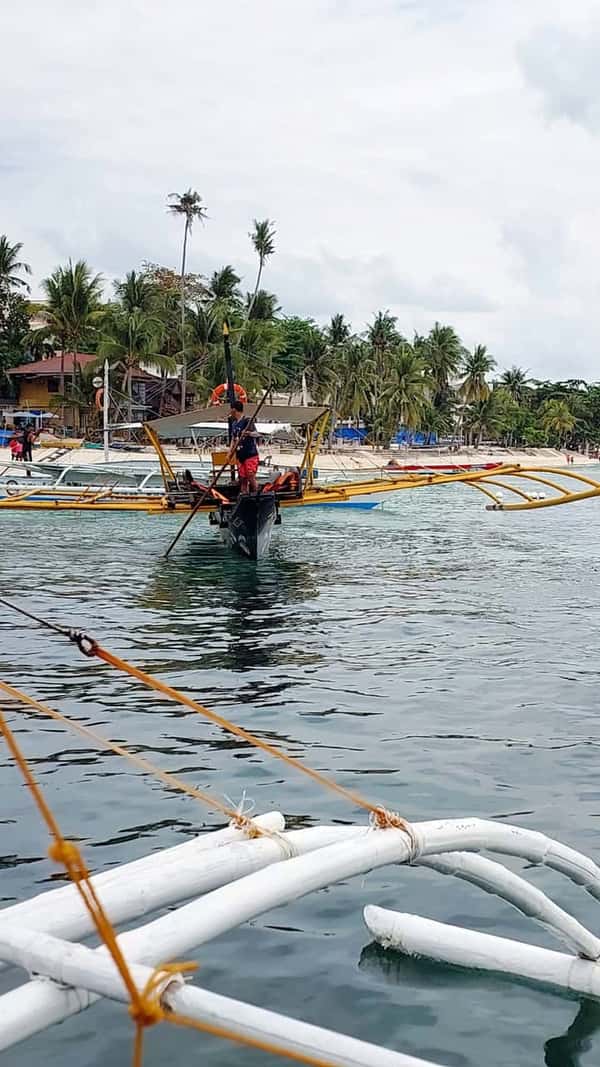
x=85, y=644
x=242, y=819
x=147, y=1012
x=67, y=853
x=382, y=819
x=146, y=1009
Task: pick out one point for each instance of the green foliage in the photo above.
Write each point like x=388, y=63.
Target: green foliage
x=167, y=320
x=11, y=268
x=14, y=332
x=557, y=419
x=73, y=308
x=477, y=366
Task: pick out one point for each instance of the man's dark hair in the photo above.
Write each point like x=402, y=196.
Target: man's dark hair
x=237, y=405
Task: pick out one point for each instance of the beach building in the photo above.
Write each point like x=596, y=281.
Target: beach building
x=39, y=384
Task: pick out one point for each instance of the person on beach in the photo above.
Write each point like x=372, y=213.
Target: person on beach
x=29, y=436
x=246, y=447
x=16, y=446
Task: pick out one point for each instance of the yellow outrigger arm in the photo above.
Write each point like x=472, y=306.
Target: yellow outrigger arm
x=526, y=501
x=522, y=485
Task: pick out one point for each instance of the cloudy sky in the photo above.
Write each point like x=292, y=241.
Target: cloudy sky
x=440, y=158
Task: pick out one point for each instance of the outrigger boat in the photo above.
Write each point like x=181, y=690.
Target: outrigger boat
x=247, y=522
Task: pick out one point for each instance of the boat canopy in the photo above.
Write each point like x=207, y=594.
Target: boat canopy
x=211, y=429
x=271, y=419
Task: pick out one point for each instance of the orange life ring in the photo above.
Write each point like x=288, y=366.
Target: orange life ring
x=217, y=394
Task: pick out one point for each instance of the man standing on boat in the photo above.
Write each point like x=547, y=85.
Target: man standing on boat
x=244, y=435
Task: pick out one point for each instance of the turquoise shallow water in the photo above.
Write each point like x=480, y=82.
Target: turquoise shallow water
x=439, y=658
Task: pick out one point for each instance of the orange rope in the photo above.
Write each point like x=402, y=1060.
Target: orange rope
x=92, y=648
x=154, y=1012
x=145, y=1006
x=139, y=761
x=67, y=853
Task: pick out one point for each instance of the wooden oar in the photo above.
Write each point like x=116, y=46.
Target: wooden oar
x=216, y=477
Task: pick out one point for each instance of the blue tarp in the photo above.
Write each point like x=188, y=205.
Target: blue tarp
x=415, y=437
x=349, y=433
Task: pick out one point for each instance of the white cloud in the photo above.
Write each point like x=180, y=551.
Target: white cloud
x=563, y=65
x=404, y=150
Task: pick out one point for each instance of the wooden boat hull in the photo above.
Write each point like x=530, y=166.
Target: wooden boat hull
x=248, y=525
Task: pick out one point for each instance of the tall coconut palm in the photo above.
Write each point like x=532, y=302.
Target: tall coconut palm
x=515, y=381
x=263, y=239
x=477, y=365
x=11, y=267
x=189, y=205
x=73, y=312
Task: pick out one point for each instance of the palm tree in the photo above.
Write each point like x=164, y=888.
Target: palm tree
x=382, y=333
x=338, y=331
x=72, y=312
x=556, y=418
x=477, y=365
x=188, y=204
x=204, y=332
x=223, y=286
x=263, y=239
x=262, y=306
x=515, y=382
x=443, y=353
x=411, y=387
x=356, y=371
x=132, y=336
x=337, y=335
x=485, y=417
x=316, y=364
x=11, y=267
x=137, y=291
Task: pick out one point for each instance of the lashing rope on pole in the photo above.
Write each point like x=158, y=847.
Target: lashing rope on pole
x=379, y=815
x=145, y=1006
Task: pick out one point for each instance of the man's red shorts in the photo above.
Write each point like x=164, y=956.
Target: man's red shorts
x=248, y=467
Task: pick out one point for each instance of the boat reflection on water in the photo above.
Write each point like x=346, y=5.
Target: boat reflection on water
x=235, y=617
x=562, y=1051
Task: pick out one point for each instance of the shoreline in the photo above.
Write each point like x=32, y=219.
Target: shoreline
x=344, y=460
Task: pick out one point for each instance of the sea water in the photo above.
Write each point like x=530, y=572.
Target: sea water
x=438, y=658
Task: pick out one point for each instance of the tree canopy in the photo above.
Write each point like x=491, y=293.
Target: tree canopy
x=375, y=375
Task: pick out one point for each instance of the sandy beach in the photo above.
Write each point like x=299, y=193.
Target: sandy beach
x=345, y=460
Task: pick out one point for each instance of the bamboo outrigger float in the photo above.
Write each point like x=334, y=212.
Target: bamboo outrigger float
x=247, y=522
x=232, y=876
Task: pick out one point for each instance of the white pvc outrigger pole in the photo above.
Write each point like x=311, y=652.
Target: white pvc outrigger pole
x=105, y=410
